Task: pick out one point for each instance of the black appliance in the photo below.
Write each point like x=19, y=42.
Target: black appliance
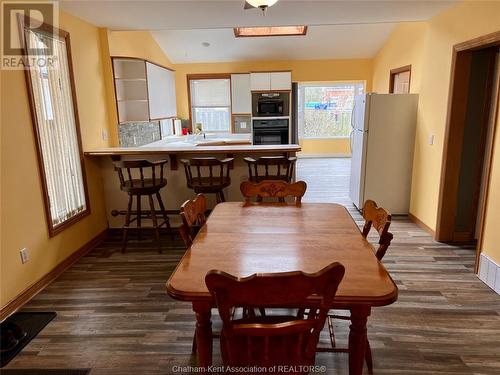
x=271, y=104
x=270, y=132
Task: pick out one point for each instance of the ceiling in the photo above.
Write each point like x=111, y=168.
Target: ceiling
x=337, y=29
x=321, y=42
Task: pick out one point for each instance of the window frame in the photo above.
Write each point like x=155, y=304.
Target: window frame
x=53, y=230
x=197, y=77
x=392, y=77
x=323, y=84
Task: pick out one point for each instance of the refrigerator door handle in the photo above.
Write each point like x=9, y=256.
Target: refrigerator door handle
x=352, y=114
x=351, y=140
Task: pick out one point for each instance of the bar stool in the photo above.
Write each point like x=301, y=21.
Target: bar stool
x=139, y=187
x=270, y=168
x=206, y=180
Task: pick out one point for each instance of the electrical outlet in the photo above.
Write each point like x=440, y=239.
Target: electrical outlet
x=24, y=255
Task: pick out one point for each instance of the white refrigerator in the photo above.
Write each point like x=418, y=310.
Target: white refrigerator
x=382, y=143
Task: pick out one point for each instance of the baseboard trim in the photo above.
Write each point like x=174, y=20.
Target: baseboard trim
x=489, y=272
x=421, y=224
x=302, y=155
x=26, y=295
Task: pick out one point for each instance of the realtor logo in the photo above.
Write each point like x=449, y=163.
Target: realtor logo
x=19, y=51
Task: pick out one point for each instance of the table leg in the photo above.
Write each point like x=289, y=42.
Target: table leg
x=357, y=339
x=204, y=337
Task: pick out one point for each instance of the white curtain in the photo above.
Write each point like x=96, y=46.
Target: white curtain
x=211, y=104
x=211, y=93
x=57, y=132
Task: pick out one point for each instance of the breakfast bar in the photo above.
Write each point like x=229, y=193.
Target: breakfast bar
x=176, y=191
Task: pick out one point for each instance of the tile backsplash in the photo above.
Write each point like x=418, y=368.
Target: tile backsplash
x=133, y=134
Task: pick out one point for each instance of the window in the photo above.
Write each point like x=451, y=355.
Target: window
x=399, y=81
x=270, y=31
x=211, y=103
x=325, y=109
x=56, y=130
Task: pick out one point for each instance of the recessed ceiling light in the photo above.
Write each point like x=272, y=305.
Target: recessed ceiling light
x=241, y=32
x=205, y=44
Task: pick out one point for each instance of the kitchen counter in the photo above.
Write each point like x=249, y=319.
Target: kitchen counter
x=185, y=148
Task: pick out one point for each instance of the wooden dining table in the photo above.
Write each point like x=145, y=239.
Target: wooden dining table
x=243, y=239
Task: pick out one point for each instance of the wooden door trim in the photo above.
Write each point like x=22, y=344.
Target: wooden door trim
x=393, y=72
x=449, y=170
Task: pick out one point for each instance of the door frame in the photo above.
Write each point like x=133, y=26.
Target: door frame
x=450, y=166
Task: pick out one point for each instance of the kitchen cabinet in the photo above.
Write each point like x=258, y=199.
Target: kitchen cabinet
x=260, y=81
x=271, y=81
x=144, y=91
x=281, y=81
x=241, y=96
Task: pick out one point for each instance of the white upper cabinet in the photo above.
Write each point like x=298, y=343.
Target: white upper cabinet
x=266, y=81
x=241, y=97
x=281, y=81
x=144, y=91
x=260, y=81
x=161, y=92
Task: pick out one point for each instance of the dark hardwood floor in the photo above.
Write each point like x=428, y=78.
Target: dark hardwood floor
x=115, y=317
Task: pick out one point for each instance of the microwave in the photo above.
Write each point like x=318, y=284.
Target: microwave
x=273, y=104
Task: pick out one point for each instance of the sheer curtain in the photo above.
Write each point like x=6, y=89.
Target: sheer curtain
x=211, y=104
x=57, y=132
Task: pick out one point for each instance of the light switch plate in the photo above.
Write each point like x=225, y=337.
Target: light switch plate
x=24, y=255
x=431, y=139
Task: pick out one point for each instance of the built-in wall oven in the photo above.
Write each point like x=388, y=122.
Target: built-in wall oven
x=270, y=104
x=270, y=132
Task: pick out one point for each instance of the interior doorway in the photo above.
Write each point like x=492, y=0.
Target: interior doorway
x=472, y=114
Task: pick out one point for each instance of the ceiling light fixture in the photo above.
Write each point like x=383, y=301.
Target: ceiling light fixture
x=260, y=31
x=261, y=4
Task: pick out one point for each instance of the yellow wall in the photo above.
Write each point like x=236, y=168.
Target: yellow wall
x=22, y=213
x=429, y=49
x=405, y=46
x=491, y=236
x=338, y=146
x=302, y=71
x=140, y=44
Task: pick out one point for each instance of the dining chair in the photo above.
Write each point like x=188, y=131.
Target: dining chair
x=270, y=168
x=140, y=178
x=208, y=175
x=273, y=189
x=193, y=218
x=378, y=218
x=273, y=340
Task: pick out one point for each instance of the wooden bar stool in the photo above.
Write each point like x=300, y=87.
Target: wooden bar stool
x=143, y=186
x=270, y=168
x=210, y=176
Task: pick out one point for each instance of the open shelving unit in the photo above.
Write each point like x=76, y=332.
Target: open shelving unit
x=144, y=91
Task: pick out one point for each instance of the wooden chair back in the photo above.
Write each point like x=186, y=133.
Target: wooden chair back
x=271, y=167
x=193, y=218
x=209, y=171
x=273, y=189
x=272, y=340
x=125, y=170
x=379, y=219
